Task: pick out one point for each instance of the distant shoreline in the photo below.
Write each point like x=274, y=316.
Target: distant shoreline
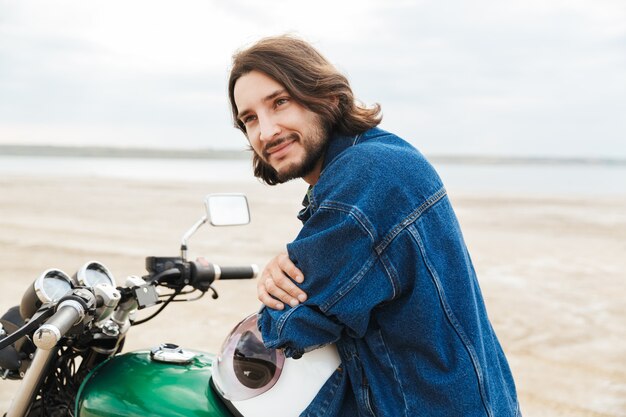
x=221, y=154
x=112, y=152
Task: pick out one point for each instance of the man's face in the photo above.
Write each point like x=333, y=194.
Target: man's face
x=285, y=134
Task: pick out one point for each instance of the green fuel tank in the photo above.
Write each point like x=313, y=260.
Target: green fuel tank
x=138, y=384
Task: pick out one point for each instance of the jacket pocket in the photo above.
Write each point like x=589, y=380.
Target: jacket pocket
x=365, y=401
x=362, y=391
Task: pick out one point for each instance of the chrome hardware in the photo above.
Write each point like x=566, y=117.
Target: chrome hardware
x=170, y=353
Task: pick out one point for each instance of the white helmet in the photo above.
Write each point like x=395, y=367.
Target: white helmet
x=253, y=379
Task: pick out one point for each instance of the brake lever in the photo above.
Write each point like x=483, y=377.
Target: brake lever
x=41, y=315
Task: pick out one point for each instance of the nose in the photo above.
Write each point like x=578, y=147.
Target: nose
x=269, y=128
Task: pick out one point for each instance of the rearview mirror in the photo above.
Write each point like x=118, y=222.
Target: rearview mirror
x=227, y=209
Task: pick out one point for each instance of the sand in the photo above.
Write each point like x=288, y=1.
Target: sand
x=551, y=270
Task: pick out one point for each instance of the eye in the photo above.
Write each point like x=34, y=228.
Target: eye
x=280, y=101
x=246, y=120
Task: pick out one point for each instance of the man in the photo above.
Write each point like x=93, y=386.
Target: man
x=380, y=267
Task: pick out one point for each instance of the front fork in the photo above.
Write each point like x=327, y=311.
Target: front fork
x=32, y=381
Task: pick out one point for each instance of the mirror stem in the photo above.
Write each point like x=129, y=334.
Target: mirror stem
x=190, y=232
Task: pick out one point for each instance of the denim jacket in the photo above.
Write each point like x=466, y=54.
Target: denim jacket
x=391, y=283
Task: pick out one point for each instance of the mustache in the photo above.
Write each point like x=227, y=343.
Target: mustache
x=277, y=142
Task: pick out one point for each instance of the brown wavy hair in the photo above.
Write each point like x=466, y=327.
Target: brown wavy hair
x=311, y=80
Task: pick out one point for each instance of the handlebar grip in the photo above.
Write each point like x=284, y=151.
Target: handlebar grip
x=236, y=272
x=68, y=314
x=204, y=273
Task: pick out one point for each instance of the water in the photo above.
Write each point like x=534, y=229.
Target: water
x=193, y=170
x=545, y=179
x=557, y=179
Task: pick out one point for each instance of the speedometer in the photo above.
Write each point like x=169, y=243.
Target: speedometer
x=49, y=287
x=94, y=273
x=52, y=285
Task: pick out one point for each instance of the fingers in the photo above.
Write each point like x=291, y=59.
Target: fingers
x=279, y=286
x=276, y=286
x=282, y=274
x=290, y=268
x=267, y=299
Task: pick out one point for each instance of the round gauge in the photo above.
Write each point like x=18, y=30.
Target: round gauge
x=94, y=273
x=55, y=287
x=49, y=287
x=52, y=285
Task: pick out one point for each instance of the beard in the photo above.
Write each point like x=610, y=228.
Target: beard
x=314, y=145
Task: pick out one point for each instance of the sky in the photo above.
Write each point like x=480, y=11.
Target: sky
x=466, y=77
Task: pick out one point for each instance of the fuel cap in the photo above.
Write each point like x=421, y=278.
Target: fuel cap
x=171, y=353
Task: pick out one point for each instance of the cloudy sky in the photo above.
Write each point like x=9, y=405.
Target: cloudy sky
x=518, y=77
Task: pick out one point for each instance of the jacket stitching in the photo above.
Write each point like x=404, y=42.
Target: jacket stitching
x=368, y=401
x=355, y=213
x=395, y=371
x=410, y=219
x=391, y=273
x=453, y=321
x=352, y=282
x=281, y=323
x=347, y=287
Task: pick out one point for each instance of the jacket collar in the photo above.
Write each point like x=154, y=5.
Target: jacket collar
x=336, y=145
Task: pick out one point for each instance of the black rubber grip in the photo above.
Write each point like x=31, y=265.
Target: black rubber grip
x=238, y=272
x=204, y=273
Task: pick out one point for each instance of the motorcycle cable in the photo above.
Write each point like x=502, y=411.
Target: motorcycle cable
x=37, y=320
x=171, y=299
x=180, y=293
x=165, y=303
x=156, y=279
x=214, y=295
x=189, y=299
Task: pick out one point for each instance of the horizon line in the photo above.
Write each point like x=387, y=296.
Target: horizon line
x=97, y=151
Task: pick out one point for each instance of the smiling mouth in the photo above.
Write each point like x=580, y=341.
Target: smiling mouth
x=278, y=148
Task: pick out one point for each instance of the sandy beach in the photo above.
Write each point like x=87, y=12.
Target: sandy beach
x=551, y=269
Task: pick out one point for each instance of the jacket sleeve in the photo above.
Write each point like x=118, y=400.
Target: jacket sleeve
x=343, y=277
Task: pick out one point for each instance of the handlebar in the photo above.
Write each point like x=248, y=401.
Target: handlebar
x=204, y=273
x=72, y=309
x=69, y=313
x=237, y=272
x=175, y=272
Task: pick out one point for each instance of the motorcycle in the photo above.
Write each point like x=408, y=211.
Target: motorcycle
x=65, y=340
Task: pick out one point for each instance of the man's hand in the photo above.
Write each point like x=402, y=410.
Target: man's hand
x=276, y=285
